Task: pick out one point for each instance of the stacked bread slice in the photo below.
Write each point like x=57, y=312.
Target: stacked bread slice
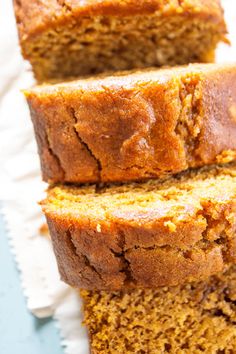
x=135, y=126
x=193, y=318
x=64, y=38
x=141, y=205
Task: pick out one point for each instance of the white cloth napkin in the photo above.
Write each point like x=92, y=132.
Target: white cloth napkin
x=21, y=187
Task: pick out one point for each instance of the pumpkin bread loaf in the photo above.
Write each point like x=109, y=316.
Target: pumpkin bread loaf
x=64, y=38
x=158, y=233
x=194, y=318
x=138, y=125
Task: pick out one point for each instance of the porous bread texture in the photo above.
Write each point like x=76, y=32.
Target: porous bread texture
x=70, y=38
x=194, y=318
x=158, y=233
x=135, y=125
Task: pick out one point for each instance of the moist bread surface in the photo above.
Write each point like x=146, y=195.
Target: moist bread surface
x=194, y=318
x=158, y=233
x=71, y=38
x=135, y=125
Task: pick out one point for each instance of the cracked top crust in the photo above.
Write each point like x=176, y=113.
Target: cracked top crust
x=135, y=125
x=34, y=16
x=158, y=233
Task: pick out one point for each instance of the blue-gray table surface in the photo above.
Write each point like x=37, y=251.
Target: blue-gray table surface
x=20, y=331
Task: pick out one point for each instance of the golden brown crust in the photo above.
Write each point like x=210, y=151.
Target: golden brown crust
x=136, y=125
x=195, y=318
x=145, y=235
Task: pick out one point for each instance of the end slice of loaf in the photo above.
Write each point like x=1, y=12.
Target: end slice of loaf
x=135, y=125
x=158, y=233
x=71, y=38
x=195, y=318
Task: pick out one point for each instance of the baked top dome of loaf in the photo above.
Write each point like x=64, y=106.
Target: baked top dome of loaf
x=135, y=125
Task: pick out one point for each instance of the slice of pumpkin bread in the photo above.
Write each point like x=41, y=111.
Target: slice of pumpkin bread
x=138, y=125
x=64, y=38
x=194, y=318
x=158, y=233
